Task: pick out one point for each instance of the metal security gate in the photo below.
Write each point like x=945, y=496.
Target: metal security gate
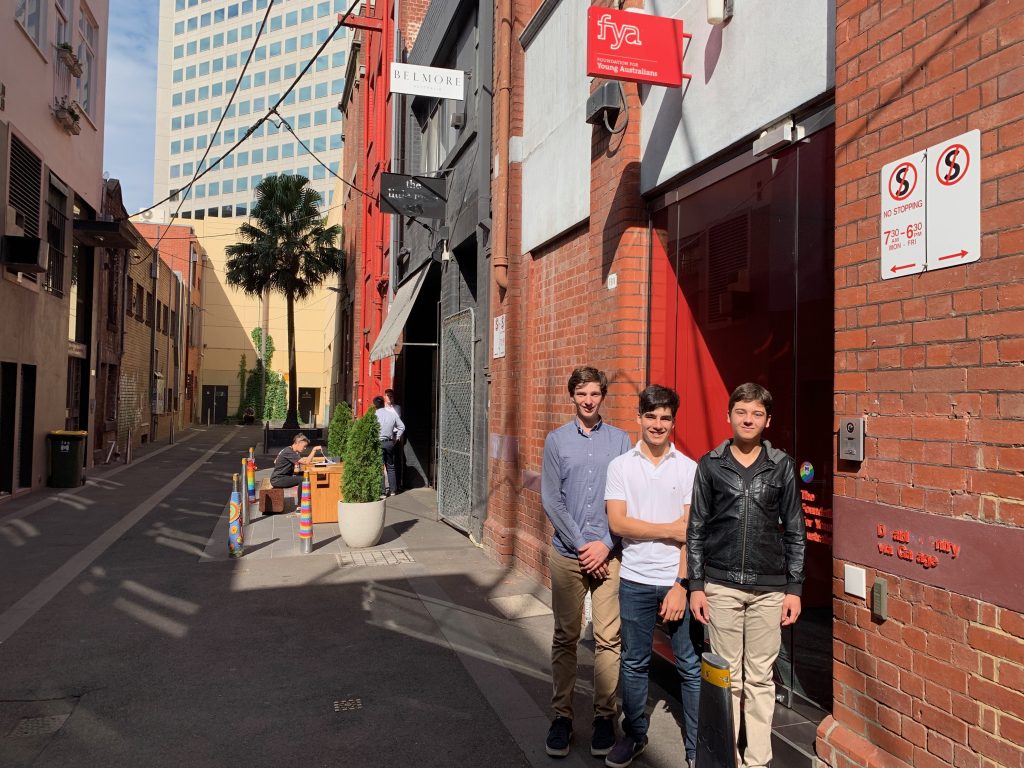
x=455, y=439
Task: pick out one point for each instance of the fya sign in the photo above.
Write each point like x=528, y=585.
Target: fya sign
x=635, y=47
x=432, y=82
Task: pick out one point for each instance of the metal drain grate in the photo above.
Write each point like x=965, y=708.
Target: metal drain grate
x=28, y=727
x=348, y=705
x=376, y=557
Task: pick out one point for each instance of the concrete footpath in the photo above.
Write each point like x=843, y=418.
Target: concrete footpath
x=127, y=637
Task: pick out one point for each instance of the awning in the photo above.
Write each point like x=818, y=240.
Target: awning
x=398, y=315
x=105, y=234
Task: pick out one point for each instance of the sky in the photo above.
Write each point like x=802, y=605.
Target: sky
x=131, y=99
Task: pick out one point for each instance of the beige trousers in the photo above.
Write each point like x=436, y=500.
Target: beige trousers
x=746, y=631
x=569, y=586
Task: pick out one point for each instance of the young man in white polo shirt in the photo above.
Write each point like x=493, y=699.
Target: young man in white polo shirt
x=648, y=499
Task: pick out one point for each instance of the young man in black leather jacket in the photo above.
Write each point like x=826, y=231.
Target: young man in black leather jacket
x=745, y=560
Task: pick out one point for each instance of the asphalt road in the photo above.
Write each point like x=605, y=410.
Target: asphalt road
x=128, y=638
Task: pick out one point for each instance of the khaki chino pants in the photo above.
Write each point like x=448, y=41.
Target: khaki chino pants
x=746, y=631
x=569, y=587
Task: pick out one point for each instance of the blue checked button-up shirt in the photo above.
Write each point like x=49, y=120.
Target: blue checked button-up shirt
x=573, y=480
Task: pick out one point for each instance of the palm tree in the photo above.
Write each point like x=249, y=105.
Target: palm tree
x=288, y=248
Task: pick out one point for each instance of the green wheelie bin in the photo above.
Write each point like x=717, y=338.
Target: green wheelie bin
x=66, y=453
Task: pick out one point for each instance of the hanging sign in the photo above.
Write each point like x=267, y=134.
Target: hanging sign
x=635, y=47
x=954, y=201
x=433, y=82
x=421, y=197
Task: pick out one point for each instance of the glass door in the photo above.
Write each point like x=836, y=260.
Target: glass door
x=742, y=290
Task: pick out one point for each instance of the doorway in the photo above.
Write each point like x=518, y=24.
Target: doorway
x=215, y=404
x=309, y=404
x=742, y=290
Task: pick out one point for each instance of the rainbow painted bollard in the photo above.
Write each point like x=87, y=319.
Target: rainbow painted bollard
x=305, y=518
x=235, y=530
x=250, y=476
x=244, y=496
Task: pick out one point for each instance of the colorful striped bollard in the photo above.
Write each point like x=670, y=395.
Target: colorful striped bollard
x=250, y=476
x=244, y=496
x=235, y=530
x=305, y=518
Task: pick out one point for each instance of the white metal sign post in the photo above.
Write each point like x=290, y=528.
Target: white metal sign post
x=903, y=217
x=954, y=201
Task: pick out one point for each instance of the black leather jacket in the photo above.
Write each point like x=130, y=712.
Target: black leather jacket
x=746, y=535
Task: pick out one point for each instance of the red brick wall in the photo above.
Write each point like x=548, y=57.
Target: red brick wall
x=934, y=363
x=559, y=315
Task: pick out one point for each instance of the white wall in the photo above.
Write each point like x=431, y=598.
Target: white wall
x=556, y=139
x=770, y=58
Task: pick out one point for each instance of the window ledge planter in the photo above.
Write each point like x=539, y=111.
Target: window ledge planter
x=68, y=117
x=69, y=59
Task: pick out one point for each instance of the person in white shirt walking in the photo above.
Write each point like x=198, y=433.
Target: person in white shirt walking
x=391, y=431
x=648, y=500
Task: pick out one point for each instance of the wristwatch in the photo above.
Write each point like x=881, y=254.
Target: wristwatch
x=681, y=582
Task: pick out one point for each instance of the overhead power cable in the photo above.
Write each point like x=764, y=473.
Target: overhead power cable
x=341, y=22
x=330, y=170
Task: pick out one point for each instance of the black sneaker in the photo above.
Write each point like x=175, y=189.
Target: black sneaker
x=624, y=751
x=559, y=736
x=603, y=740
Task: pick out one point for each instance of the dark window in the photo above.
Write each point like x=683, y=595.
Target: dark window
x=140, y=302
x=8, y=418
x=25, y=185
x=111, y=394
x=129, y=297
x=150, y=309
x=26, y=442
x=74, y=396
x=113, y=284
x=56, y=234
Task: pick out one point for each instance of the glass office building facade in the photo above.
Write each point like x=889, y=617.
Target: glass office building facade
x=203, y=48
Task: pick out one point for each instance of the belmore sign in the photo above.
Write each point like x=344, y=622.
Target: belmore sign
x=432, y=82
x=635, y=47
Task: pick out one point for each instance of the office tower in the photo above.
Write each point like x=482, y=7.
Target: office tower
x=202, y=50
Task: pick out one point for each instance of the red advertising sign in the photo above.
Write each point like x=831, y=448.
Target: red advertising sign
x=634, y=47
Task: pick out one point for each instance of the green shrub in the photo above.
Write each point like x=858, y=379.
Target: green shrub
x=337, y=433
x=364, y=464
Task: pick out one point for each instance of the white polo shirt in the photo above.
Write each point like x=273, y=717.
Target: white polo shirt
x=654, y=494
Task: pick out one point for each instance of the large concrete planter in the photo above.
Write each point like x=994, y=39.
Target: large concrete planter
x=361, y=525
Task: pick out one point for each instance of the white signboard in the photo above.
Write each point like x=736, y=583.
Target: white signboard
x=428, y=81
x=499, y=336
x=954, y=201
x=903, y=217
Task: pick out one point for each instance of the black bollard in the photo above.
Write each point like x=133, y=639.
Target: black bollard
x=716, y=742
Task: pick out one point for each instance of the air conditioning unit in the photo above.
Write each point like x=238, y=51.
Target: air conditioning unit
x=15, y=224
x=24, y=254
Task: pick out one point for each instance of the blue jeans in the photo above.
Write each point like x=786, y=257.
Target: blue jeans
x=638, y=608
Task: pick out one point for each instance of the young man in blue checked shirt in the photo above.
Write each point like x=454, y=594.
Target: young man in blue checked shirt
x=648, y=497
x=583, y=558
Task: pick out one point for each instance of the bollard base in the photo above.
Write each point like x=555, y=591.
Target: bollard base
x=306, y=547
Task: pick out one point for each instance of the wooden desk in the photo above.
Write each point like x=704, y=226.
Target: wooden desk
x=325, y=492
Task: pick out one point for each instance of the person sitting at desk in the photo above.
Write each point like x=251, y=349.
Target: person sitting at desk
x=289, y=462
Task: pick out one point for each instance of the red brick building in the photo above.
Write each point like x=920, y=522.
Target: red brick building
x=729, y=230
x=368, y=108
x=934, y=363
x=181, y=251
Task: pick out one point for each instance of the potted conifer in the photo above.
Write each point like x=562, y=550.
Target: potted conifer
x=361, y=514
x=337, y=433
